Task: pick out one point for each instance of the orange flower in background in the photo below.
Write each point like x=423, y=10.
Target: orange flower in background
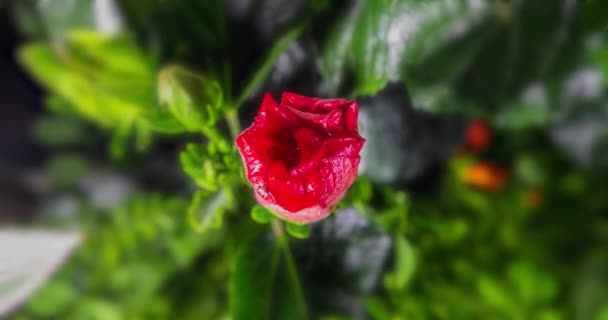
x=478, y=136
x=486, y=176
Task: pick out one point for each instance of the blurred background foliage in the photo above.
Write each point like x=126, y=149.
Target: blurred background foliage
x=483, y=189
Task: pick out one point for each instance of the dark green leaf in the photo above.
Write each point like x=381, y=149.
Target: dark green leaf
x=264, y=283
x=182, y=30
x=344, y=256
x=376, y=38
x=594, y=15
x=404, y=144
x=591, y=290
x=378, y=309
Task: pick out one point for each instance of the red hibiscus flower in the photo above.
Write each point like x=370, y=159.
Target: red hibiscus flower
x=302, y=155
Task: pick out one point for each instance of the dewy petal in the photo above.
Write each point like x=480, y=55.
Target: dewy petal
x=309, y=104
x=351, y=116
x=255, y=161
x=336, y=147
x=332, y=122
x=289, y=191
x=309, y=141
x=272, y=117
x=333, y=178
x=298, y=102
x=268, y=103
x=342, y=147
x=331, y=104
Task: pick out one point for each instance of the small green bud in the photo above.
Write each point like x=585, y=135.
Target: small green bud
x=191, y=98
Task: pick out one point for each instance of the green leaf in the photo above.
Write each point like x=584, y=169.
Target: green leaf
x=594, y=15
x=298, y=231
x=590, y=291
x=405, y=265
x=602, y=314
x=532, y=284
x=163, y=122
x=99, y=310
x=530, y=110
x=261, y=215
x=600, y=58
x=264, y=283
x=144, y=243
x=212, y=166
x=192, y=99
x=120, y=139
x=107, y=80
x=185, y=30
x=207, y=210
x=344, y=260
x=495, y=294
x=260, y=75
x=534, y=41
x=378, y=309
x=55, y=297
x=376, y=38
x=118, y=54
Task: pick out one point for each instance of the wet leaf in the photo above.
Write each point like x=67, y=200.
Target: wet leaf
x=404, y=143
x=375, y=39
x=342, y=262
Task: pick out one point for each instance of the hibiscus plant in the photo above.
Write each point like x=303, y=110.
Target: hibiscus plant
x=365, y=159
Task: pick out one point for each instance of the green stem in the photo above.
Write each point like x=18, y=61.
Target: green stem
x=262, y=72
x=283, y=241
x=227, y=78
x=232, y=118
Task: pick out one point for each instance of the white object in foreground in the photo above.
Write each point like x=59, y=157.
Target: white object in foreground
x=27, y=259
